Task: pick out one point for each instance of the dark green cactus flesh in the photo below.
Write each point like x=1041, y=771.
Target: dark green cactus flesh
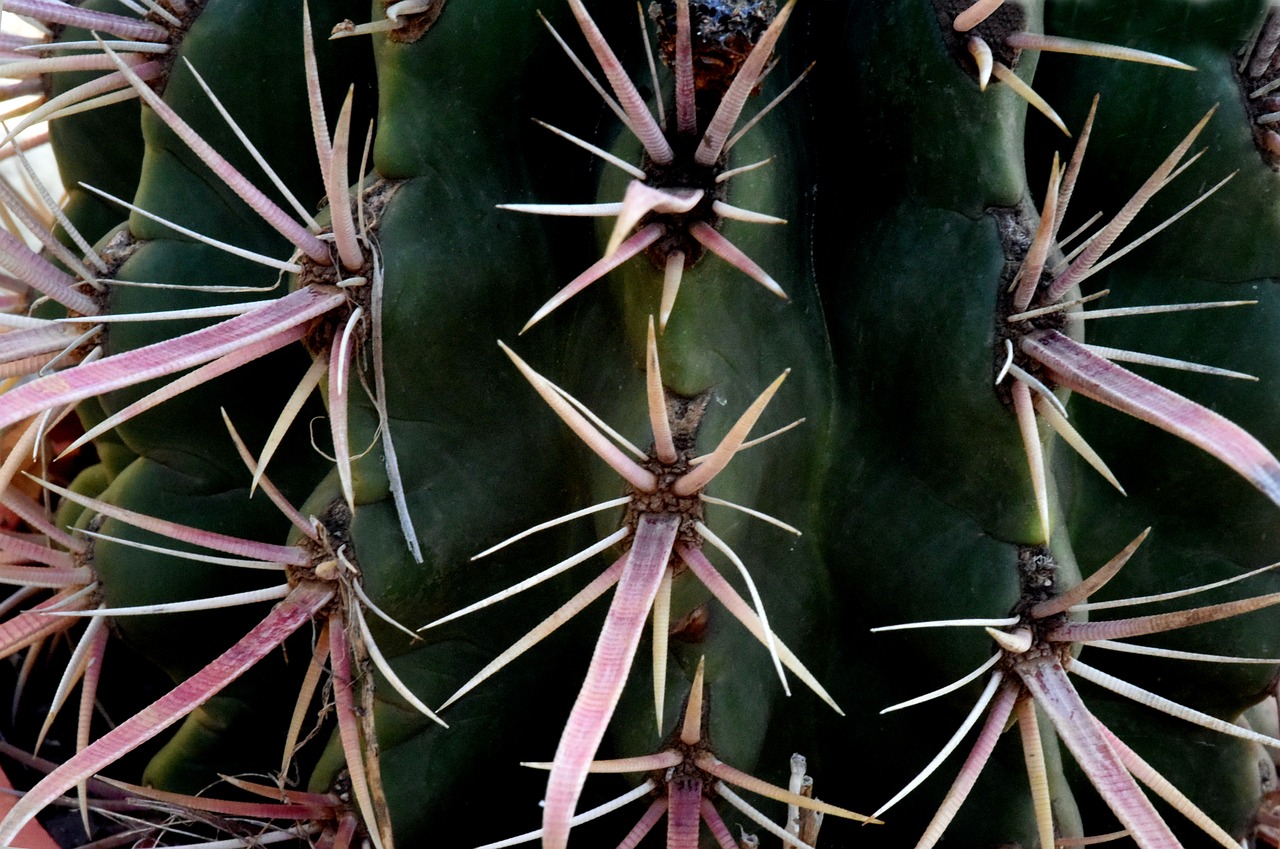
x=983, y=440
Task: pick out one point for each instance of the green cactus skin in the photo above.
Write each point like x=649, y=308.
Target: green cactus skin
x=908, y=478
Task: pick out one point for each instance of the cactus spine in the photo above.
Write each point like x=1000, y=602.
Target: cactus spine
x=340, y=583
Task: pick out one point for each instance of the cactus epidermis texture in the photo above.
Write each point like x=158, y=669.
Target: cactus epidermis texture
x=353, y=422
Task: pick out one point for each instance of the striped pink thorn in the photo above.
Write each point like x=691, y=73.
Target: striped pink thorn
x=730, y=108
x=31, y=626
x=642, y=239
x=1108, y=235
x=277, y=218
x=1001, y=708
x=191, y=380
x=686, y=97
x=614, y=653
x=643, y=122
x=61, y=13
x=284, y=554
x=94, y=87
x=302, y=603
x=645, y=824
x=1080, y=370
x=27, y=548
x=684, y=801
x=1078, y=728
x=167, y=357
x=38, y=273
x=714, y=241
x=720, y=831
x=1139, y=626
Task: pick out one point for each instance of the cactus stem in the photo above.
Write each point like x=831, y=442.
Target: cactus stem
x=1174, y=654
x=640, y=120
x=975, y=14
x=44, y=233
x=769, y=642
x=1055, y=44
x=1002, y=73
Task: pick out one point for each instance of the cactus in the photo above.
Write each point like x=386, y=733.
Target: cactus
x=318, y=487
